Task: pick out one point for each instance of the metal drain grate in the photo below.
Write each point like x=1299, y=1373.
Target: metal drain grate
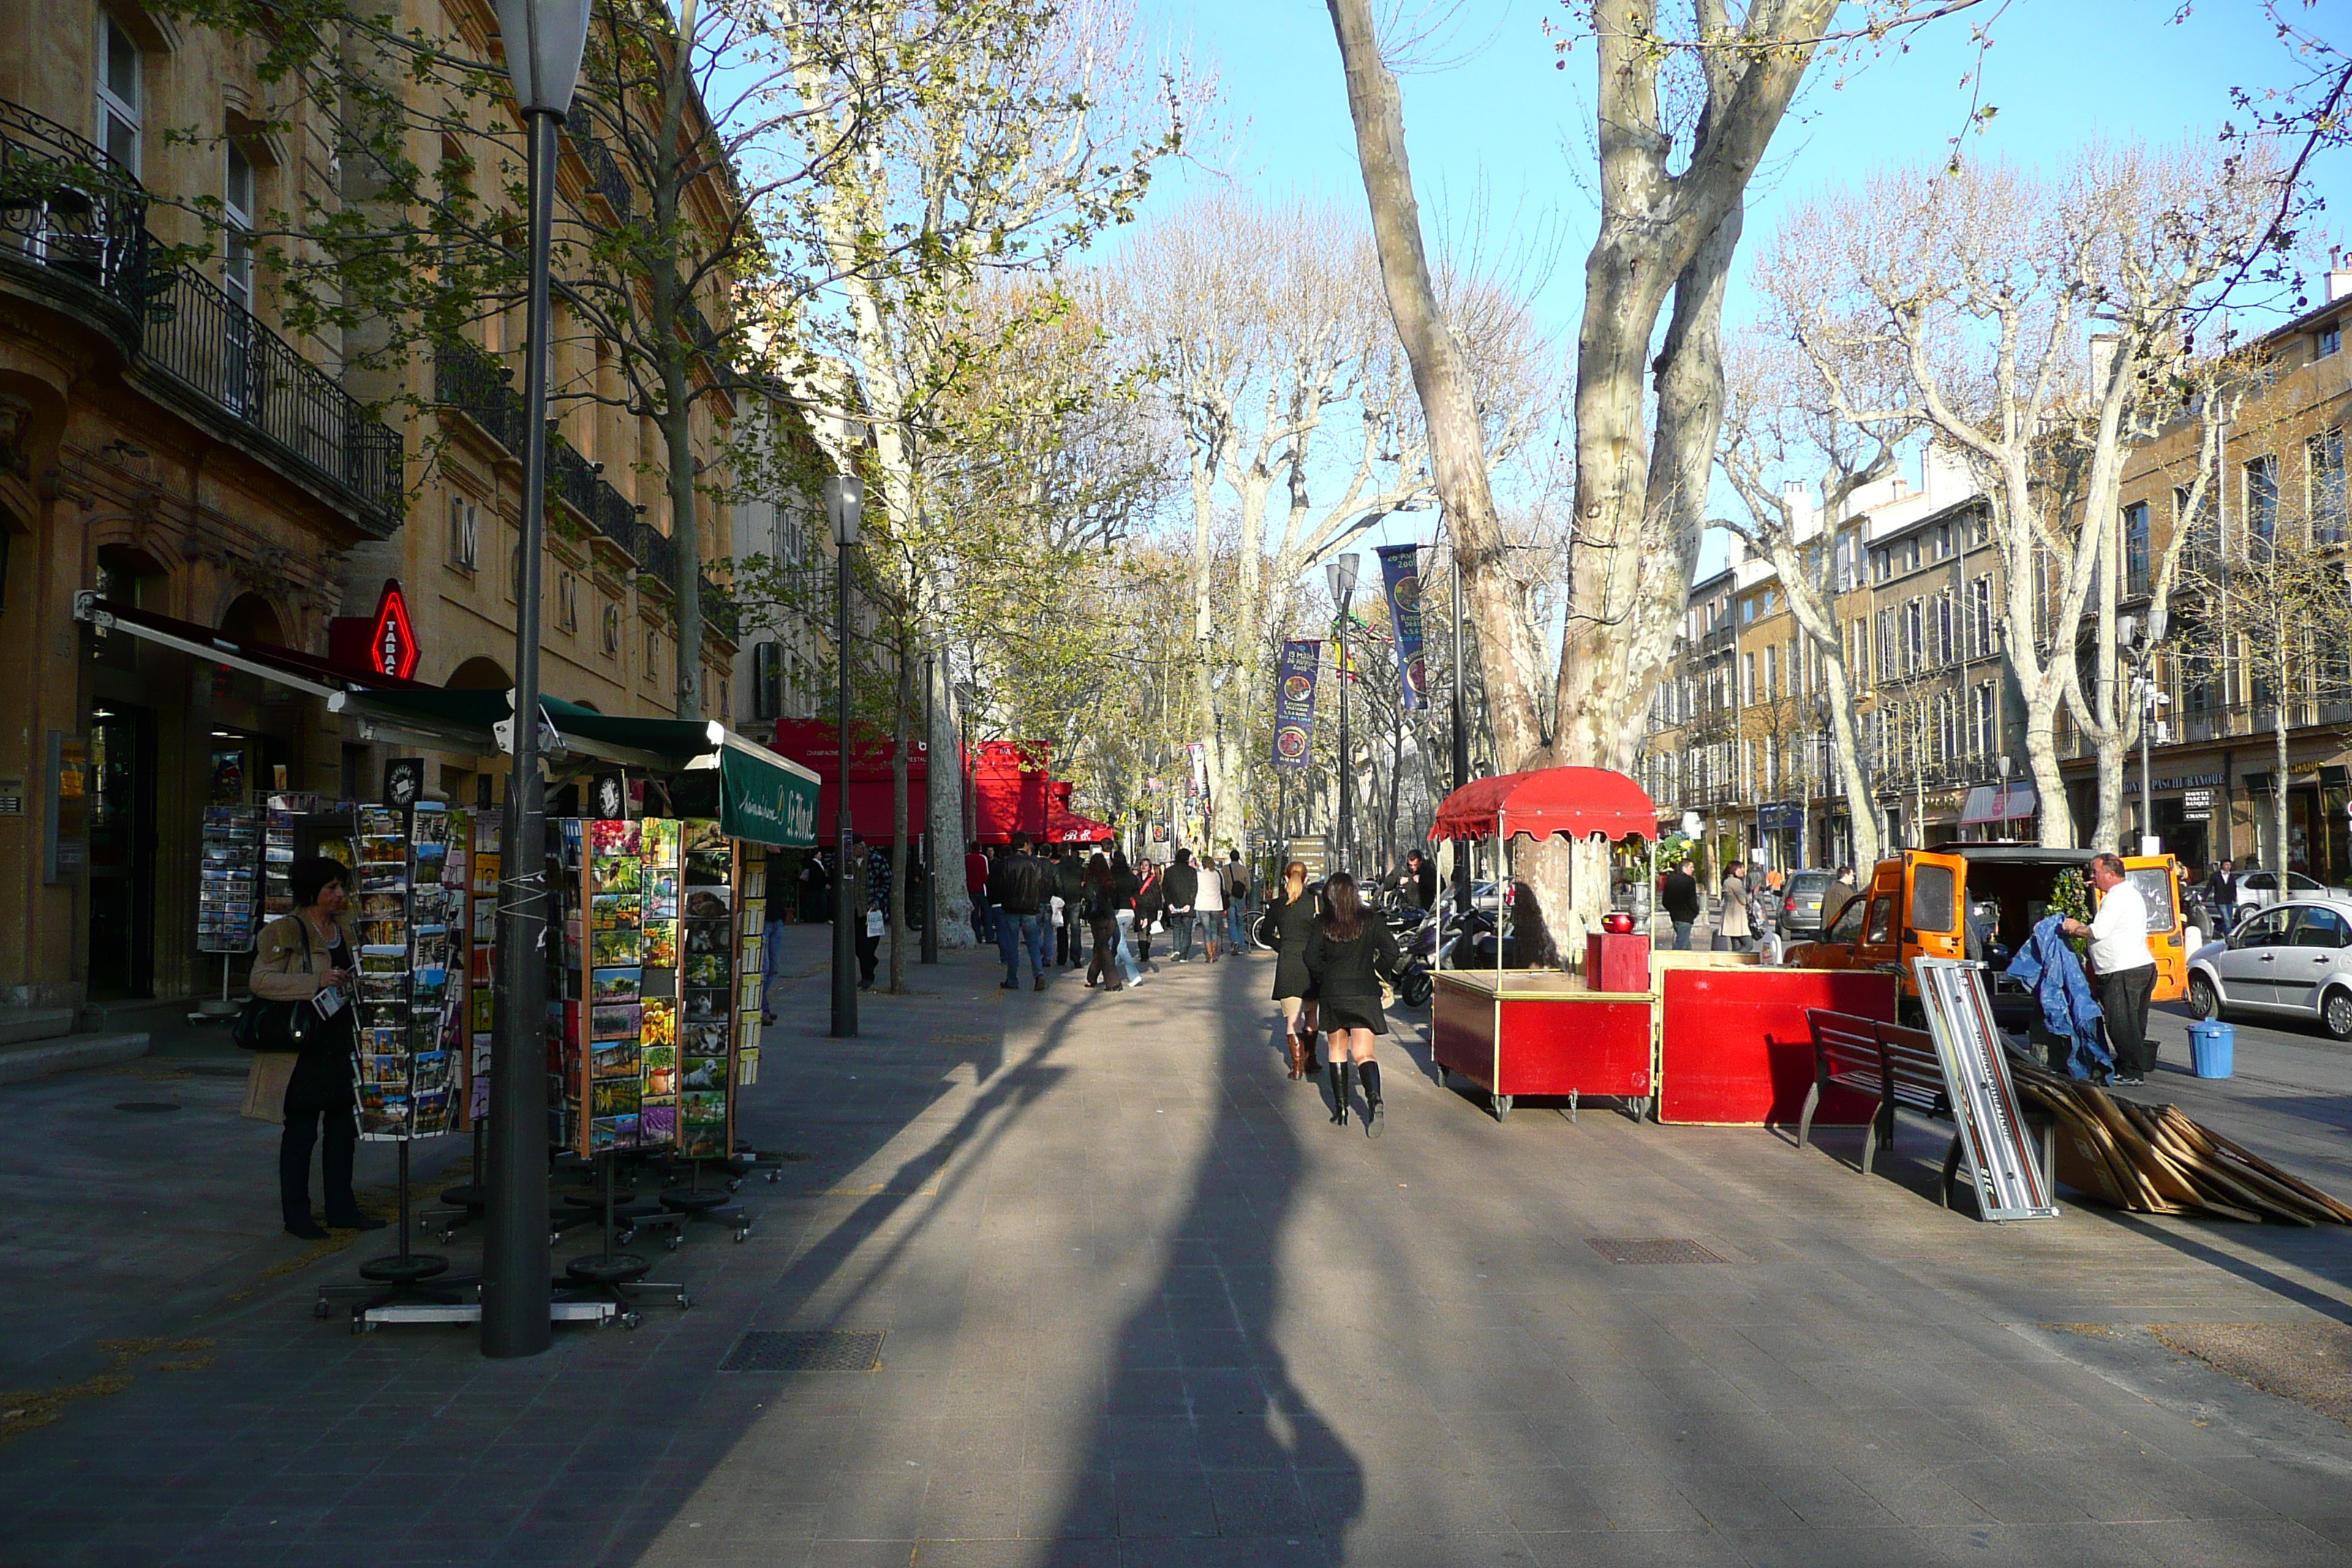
x=1651, y=1250
x=146, y=1107
x=824, y=1350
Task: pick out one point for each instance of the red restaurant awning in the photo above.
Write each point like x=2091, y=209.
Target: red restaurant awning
x=816, y=744
x=1574, y=803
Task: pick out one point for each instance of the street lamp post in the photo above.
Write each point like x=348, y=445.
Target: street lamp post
x=544, y=40
x=931, y=950
x=844, y=504
x=1341, y=574
x=1461, y=737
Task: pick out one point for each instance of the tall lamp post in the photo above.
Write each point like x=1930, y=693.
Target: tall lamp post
x=1461, y=737
x=1341, y=574
x=544, y=40
x=845, y=505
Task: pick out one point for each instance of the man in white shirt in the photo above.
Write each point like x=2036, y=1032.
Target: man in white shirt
x=2122, y=969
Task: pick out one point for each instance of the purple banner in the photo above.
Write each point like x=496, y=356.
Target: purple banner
x=1400, y=572
x=1294, y=703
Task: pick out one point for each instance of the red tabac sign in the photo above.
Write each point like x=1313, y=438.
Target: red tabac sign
x=392, y=641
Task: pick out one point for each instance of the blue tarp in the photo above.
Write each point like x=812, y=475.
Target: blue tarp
x=2047, y=966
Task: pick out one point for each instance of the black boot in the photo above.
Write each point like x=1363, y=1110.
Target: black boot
x=1343, y=1084
x=1374, y=1112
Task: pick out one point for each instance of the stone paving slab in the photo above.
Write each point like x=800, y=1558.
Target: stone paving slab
x=1142, y=1304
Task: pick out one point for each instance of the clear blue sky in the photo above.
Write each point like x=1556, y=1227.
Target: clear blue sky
x=1501, y=121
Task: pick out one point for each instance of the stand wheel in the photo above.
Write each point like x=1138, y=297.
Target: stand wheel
x=683, y=1301
x=742, y=1234
x=318, y=1309
x=674, y=1241
x=1502, y=1103
x=630, y=1320
x=624, y=1237
x=773, y=1176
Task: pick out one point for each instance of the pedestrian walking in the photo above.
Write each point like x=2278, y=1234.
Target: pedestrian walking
x=1124, y=886
x=1347, y=953
x=1290, y=922
x=1151, y=899
x=1018, y=887
x=302, y=958
x=975, y=885
x=1183, y=885
x=2122, y=967
x=869, y=905
x=1837, y=897
x=1069, y=882
x=1680, y=897
x=1208, y=903
x=1096, y=905
x=1420, y=877
x=1238, y=891
x=1736, y=927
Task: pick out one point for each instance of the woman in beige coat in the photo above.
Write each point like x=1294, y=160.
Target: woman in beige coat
x=298, y=956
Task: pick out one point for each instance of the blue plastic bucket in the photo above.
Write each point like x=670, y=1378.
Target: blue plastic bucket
x=2211, y=1048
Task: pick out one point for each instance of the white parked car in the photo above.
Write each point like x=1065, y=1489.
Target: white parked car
x=2259, y=889
x=2293, y=959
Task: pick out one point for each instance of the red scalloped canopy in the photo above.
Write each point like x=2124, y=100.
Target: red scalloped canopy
x=1574, y=803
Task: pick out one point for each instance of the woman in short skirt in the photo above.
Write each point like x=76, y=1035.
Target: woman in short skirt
x=1347, y=953
x=1290, y=922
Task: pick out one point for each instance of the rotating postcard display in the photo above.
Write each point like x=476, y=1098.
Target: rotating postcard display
x=228, y=896
x=650, y=988
x=408, y=920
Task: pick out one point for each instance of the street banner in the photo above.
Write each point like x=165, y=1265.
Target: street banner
x=1400, y=572
x=1294, y=703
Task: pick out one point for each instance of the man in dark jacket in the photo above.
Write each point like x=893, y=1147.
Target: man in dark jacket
x=1070, y=884
x=1421, y=875
x=1182, y=884
x=1680, y=896
x=1017, y=888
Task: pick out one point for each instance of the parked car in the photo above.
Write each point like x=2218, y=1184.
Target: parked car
x=2260, y=889
x=1801, y=893
x=2293, y=958
x=1981, y=901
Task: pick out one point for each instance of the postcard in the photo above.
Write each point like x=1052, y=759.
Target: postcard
x=708, y=870
x=381, y=820
x=613, y=1096
x=709, y=903
x=610, y=838
x=614, y=911
x=615, y=874
x=660, y=1081
x=432, y=1110
x=380, y=932
x=702, y=833
x=661, y=944
x=626, y=1133
x=430, y=987
x=429, y=823
x=601, y=1134
x=612, y=1021
x=620, y=1059
x=707, y=936
x=752, y=917
x=705, y=1040
x=706, y=1006
x=659, y=840
x=657, y=1021
x=753, y=959
x=393, y=987
x=430, y=1071
x=702, y=1105
x=383, y=1071
x=384, y=958
x=707, y=969
x=383, y=878
x=380, y=848
x=661, y=895
x=608, y=948
x=703, y=1073
x=613, y=985
x=383, y=1040
x=658, y=1123
x=704, y=1141
x=749, y=993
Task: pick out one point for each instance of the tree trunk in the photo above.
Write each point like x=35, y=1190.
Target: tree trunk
x=902, y=708
x=1861, y=808
x=949, y=832
x=2278, y=786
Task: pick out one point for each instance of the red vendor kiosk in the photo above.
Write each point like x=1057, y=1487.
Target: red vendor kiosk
x=1520, y=1031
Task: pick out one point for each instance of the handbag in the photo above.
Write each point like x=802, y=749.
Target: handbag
x=265, y=1024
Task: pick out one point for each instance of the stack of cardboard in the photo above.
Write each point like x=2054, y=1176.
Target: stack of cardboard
x=2152, y=1159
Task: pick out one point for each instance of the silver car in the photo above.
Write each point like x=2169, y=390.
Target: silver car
x=2293, y=959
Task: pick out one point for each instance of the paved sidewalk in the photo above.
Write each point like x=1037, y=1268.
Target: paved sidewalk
x=1142, y=1304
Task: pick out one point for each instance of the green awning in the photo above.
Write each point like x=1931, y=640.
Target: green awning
x=763, y=798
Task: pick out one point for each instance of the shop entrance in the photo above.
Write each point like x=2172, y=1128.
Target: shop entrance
x=2188, y=842
x=121, y=852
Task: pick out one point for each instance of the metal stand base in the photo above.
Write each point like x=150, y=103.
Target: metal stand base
x=399, y=1280
x=610, y=1278
x=371, y=1318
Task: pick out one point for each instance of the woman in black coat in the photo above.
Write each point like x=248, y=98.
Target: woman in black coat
x=1290, y=922
x=1346, y=955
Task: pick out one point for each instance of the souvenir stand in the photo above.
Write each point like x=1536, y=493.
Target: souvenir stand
x=1522, y=1031
x=228, y=889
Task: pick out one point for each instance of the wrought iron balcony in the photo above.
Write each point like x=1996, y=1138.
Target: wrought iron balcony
x=296, y=412
x=605, y=174
x=72, y=218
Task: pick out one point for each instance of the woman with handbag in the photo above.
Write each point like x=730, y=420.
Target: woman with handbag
x=1150, y=901
x=302, y=957
x=1097, y=906
x=1347, y=953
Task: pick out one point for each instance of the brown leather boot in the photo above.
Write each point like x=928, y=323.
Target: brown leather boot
x=1298, y=1058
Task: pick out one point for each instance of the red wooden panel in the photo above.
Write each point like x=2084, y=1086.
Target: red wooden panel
x=1735, y=1046
x=1463, y=1033
x=1566, y=1044
x=1616, y=962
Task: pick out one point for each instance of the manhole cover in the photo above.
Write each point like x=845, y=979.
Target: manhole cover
x=1651, y=1250
x=825, y=1350
x=146, y=1106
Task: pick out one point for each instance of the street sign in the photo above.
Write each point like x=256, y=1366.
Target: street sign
x=2196, y=805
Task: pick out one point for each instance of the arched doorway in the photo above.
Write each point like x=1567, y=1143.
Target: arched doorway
x=252, y=618
x=479, y=675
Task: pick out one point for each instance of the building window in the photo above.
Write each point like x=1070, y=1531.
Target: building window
x=2261, y=498
x=2327, y=341
x=567, y=602
x=1911, y=556
x=2324, y=455
x=1979, y=531
x=653, y=656
x=465, y=533
x=1980, y=616
x=237, y=239
x=2136, y=550
x=767, y=680
x=1915, y=635
x=514, y=569
x=612, y=630
x=1746, y=612
x=1748, y=678
x=1981, y=719
x=1943, y=543
x=1886, y=645
x=121, y=93
x=1771, y=673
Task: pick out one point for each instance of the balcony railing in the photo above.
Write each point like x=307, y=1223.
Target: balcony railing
x=605, y=174
x=211, y=344
x=68, y=208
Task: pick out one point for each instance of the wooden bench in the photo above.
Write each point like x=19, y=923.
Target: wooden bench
x=1898, y=1068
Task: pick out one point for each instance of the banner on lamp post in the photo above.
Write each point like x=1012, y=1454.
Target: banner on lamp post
x=1401, y=574
x=1294, y=703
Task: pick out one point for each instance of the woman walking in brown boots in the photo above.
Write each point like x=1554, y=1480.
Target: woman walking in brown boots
x=1290, y=922
x=1347, y=952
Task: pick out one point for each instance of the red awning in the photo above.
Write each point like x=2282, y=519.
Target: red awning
x=1574, y=803
x=816, y=744
x=1067, y=827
